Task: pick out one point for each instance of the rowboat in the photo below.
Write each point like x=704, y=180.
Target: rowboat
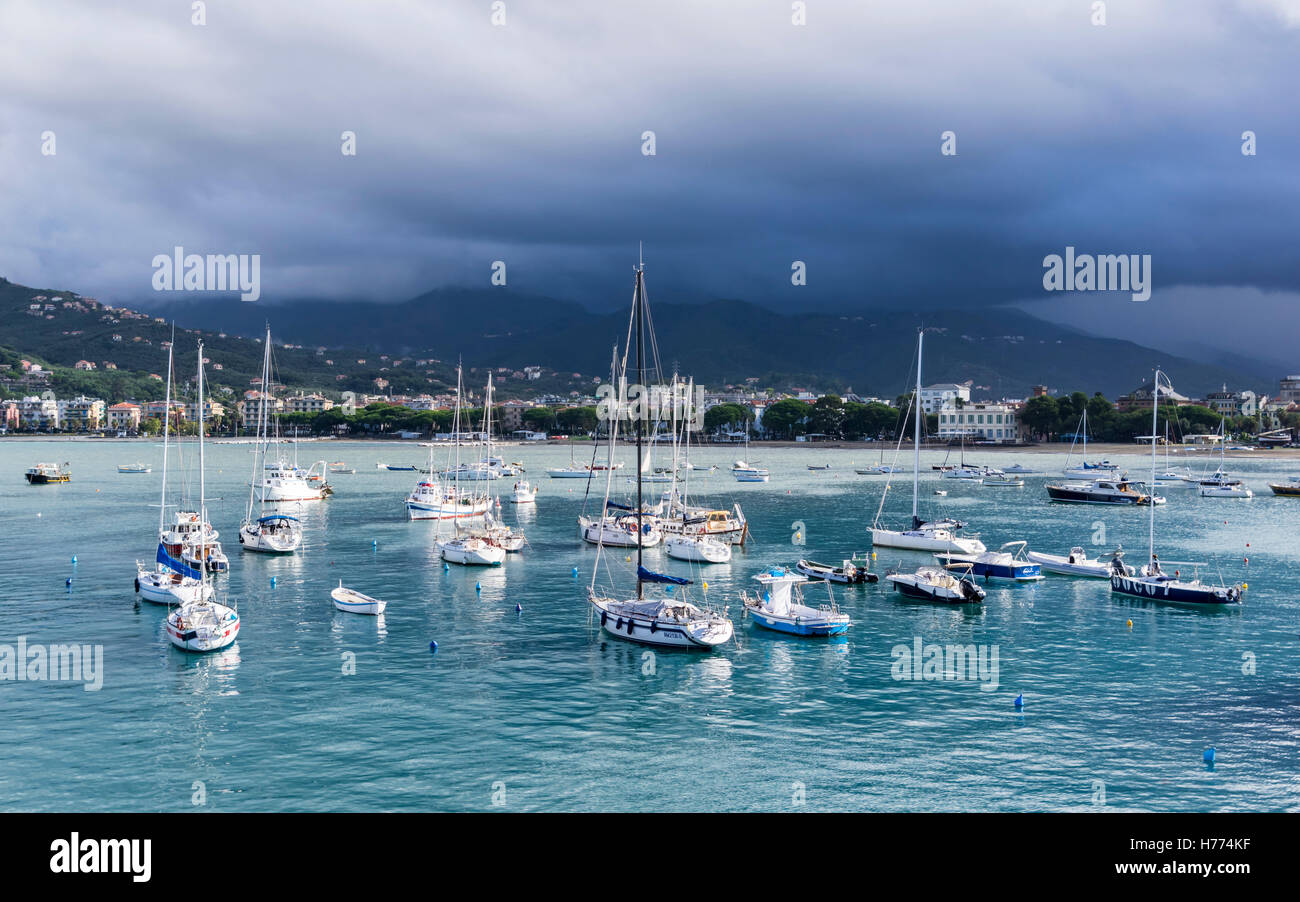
x=354, y=602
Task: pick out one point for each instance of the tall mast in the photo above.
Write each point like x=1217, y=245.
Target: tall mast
x=203, y=507
x=167, y=421
x=916, y=455
x=640, y=364
x=1151, y=498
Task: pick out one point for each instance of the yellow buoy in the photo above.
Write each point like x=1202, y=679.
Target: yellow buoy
x=1130, y=624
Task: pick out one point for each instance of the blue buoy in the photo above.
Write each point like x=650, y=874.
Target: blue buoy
x=445, y=566
x=1208, y=757
x=575, y=571
x=433, y=646
x=1020, y=701
x=374, y=543
x=478, y=587
x=519, y=609
x=68, y=582
x=74, y=559
x=273, y=582
x=670, y=590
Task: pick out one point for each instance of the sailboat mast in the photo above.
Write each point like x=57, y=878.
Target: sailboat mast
x=203, y=505
x=640, y=363
x=1151, y=499
x=167, y=422
x=916, y=438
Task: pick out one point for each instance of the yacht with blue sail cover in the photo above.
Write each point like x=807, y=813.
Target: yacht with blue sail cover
x=1008, y=562
x=668, y=620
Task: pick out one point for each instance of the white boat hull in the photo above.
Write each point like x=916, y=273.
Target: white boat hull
x=356, y=603
x=473, y=553
x=164, y=587
x=253, y=538
x=205, y=626
x=703, y=634
x=922, y=541
x=702, y=549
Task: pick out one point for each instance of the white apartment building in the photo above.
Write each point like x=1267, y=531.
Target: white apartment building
x=312, y=403
x=981, y=422
x=943, y=394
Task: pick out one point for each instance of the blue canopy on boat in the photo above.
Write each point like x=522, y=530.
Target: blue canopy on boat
x=180, y=567
x=270, y=517
x=617, y=506
x=649, y=576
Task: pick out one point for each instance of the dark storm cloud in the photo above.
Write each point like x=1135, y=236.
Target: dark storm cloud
x=775, y=143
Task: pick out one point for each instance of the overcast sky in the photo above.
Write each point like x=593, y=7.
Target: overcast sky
x=774, y=143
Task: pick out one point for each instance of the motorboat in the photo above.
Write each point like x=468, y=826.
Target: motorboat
x=340, y=467
x=523, y=493
x=134, y=468
x=1008, y=562
x=1005, y=481
x=354, y=602
x=48, y=474
x=1077, y=563
x=848, y=573
x=160, y=584
x=1103, y=491
x=781, y=607
x=1288, y=489
x=284, y=482
x=936, y=584
x=701, y=548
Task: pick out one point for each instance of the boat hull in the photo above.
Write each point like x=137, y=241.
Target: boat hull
x=189, y=629
x=1173, y=592
x=705, y=552
x=816, y=627
x=911, y=541
x=696, y=635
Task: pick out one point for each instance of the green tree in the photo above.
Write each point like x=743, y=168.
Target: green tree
x=577, y=419
x=827, y=415
x=1040, y=415
x=727, y=416
x=786, y=418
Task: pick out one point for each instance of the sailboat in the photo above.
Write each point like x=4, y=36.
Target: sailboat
x=202, y=625
x=1151, y=582
x=744, y=471
x=169, y=580
x=471, y=549
x=275, y=532
x=688, y=544
x=1083, y=468
x=433, y=498
x=935, y=535
x=1219, y=484
x=669, y=620
x=508, y=537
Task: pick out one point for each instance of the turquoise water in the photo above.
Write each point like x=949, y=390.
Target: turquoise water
x=540, y=711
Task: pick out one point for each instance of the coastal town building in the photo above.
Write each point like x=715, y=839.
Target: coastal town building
x=124, y=416
x=944, y=394
x=992, y=422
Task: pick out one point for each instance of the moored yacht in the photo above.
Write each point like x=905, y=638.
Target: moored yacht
x=1008, y=562
x=1103, y=491
x=48, y=474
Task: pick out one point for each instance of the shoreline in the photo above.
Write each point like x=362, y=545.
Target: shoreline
x=1096, y=450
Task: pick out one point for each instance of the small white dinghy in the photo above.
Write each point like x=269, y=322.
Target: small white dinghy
x=355, y=603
